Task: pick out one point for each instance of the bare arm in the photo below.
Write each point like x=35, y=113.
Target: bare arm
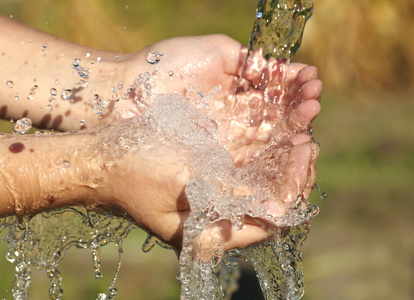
x=36, y=68
x=44, y=172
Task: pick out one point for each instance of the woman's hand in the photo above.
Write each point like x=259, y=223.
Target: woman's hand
x=149, y=184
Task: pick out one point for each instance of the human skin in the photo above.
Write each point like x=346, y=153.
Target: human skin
x=147, y=185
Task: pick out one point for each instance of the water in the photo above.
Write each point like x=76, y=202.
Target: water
x=42, y=241
x=279, y=27
x=204, y=273
x=22, y=126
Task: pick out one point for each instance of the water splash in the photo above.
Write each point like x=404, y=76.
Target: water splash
x=42, y=241
x=9, y=83
x=67, y=94
x=22, y=126
x=277, y=261
x=154, y=57
x=279, y=27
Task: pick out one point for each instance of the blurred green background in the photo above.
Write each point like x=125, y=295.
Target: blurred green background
x=361, y=245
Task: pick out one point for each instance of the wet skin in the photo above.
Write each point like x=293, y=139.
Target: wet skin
x=148, y=185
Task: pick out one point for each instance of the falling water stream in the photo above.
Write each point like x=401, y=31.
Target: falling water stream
x=42, y=241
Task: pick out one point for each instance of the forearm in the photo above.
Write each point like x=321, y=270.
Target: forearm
x=40, y=173
x=34, y=64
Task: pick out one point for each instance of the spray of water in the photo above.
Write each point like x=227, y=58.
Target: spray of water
x=42, y=241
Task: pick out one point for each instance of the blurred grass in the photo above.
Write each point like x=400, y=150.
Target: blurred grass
x=361, y=244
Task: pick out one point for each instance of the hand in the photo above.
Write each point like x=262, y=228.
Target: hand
x=186, y=62
x=150, y=188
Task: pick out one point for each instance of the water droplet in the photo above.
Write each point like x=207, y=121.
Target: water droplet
x=76, y=63
x=53, y=92
x=317, y=187
x=324, y=195
x=120, y=85
x=16, y=97
x=65, y=163
x=57, y=82
x=98, y=274
x=126, y=6
x=98, y=60
x=97, y=109
x=35, y=87
x=112, y=291
x=49, y=107
x=130, y=89
x=44, y=47
x=66, y=94
x=101, y=296
x=170, y=73
x=22, y=126
x=9, y=83
x=30, y=96
x=259, y=15
x=153, y=57
x=81, y=123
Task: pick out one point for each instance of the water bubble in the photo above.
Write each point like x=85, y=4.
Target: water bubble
x=130, y=89
x=153, y=57
x=66, y=94
x=112, y=291
x=9, y=83
x=22, y=126
x=101, y=296
x=65, y=163
x=30, y=96
x=98, y=274
x=98, y=109
x=82, y=72
x=76, y=63
x=324, y=195
x=53, y=92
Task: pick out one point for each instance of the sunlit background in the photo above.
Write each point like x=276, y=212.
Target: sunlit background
x=361, y=245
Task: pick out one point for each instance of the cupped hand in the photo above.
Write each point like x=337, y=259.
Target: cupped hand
x=151, y=189
x=202, y=63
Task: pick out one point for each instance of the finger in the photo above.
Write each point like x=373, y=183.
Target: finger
x=310, y=90
x=208, y=245
x=306, y=74
x=312, y=171
x=249, y=234
x=303, y=115
x=295, y=173
x=293, y=70
x=303, y=76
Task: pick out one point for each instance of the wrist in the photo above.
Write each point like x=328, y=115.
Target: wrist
x=32, y=182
